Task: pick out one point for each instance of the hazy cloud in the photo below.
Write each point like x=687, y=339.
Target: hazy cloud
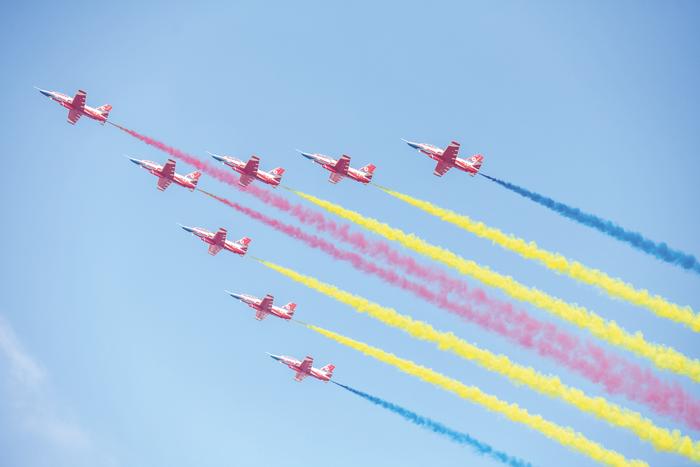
x=29, y=391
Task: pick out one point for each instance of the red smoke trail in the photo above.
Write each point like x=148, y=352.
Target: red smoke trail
x=615, y=374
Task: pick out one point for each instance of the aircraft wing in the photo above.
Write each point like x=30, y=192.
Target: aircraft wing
x=78, y=101
x=335, y=178
x=252, y=165
x=441, y=168
x=214, y=249
x=164, y=183
x=73, y=116
x=167, y=174
x=305, y=366
x=260, y=315
x=300, y=376
x=168, y=170
x=343, y=164
x=450, y=152
x=245, y=180
x=266, y=303
x=219, y=236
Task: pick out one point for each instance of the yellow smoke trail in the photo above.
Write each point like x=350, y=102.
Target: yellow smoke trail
x=612, y=286
x=662, y=356
x=661, y=438
x=564, y=435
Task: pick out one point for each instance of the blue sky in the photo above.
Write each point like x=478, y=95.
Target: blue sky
x=119, y=346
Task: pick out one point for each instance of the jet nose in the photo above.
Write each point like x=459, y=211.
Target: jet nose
x=216, y=156
x=306, y=154
x=46, y=93
x=235, y=295
x=186, y=229
x=411, y=143
x=274, y=357
x=135, y=161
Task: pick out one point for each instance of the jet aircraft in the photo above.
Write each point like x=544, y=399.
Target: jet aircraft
x=264, y=307
x=76, y=106
x=447, y=158
x=166, y=174
x=340, y=168
x=304, y=368
x=250, y=170
x=217, y=241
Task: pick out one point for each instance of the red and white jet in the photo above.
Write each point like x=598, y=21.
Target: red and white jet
x=217, y=241
x=77, y=108
x=304, y=368
x=447, y=158
x=250, y=170
x=166, y=174
x=264, y=307
x=341, y=168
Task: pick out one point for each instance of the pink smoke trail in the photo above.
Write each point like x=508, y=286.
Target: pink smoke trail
x=615, y=374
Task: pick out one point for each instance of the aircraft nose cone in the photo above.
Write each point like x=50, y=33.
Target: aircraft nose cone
x=412, y=144
x=217, y=157
x=306, y=154
x=46, y=93
x=275, y=357
x=135, y=161
x=187, y=229
x=235, y=295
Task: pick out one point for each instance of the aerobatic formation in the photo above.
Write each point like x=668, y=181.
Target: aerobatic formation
x=616, y=375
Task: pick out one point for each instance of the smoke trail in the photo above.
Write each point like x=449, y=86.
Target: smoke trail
x=661, y=438
x=662, y=356
x=440, y=429
x=566, y=436
x=635, y=239
x=617, y=376
x=556, y=262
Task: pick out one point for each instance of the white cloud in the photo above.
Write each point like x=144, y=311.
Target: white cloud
x=23, y=367
x=36, y=411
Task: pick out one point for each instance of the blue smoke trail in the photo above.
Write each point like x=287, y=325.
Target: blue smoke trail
x=456, y=436
x=637, y=240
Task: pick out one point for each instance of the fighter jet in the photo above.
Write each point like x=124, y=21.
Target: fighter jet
x=304, y=368
x=166, y=174
x=447, y=158
x=265, y=307
x=341, y=168
x=249, y=170
x=217, y=241
x=76, y=106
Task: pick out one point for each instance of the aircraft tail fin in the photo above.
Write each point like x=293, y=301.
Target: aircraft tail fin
x=244, y=242
x=328, y=369
x=290, y=307
x=277, y=172
x=476, y=160
x=369, y=170
x=194, y=177
x=104, y=110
